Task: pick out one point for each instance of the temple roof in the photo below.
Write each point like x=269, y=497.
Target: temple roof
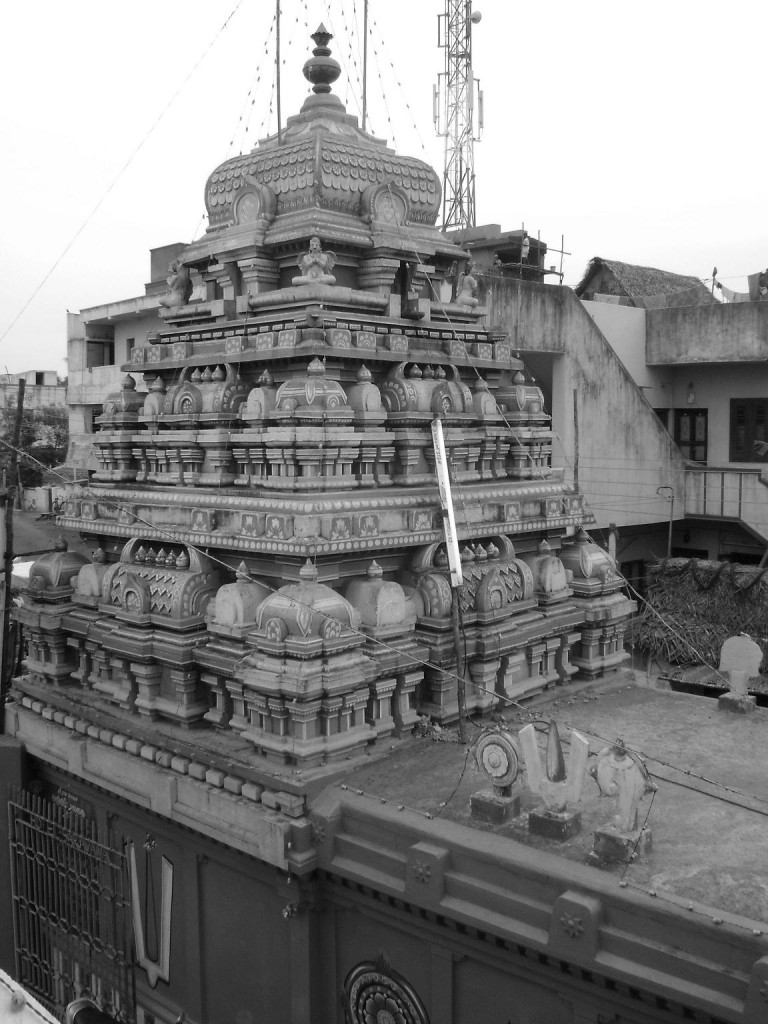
x=322, y=174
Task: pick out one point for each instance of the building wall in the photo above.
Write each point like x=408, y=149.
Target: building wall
x=609, y=435
x=122, y=325
x=41, y=378
x=472, y=938
x=625, y=327
x=717, y=333
x=230, y=946
x=36, y=396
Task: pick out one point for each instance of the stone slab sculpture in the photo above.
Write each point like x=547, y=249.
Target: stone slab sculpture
x=740, y=659
x=559, y=786
x=623, y=777
x=497, y=756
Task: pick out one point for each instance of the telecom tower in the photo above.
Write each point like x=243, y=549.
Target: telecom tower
x=458, y=113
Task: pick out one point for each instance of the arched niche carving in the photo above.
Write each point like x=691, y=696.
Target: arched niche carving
x=256, y=204
x=385, y=206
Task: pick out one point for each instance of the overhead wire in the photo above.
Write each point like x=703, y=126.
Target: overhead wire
x=119, y=175
x=175, y=537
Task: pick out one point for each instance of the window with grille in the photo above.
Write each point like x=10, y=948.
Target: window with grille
x=749, y=430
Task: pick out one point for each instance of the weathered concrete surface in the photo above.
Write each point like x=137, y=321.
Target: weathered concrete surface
x=607, y=432
x=709, y=839
x=726, y=333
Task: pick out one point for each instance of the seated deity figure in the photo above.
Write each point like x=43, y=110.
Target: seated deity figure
x=466, y=288
x=179, y=286
x=316, y=265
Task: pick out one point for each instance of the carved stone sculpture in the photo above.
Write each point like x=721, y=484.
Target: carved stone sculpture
x=619, y=774
x=466, y=288
x=316, y=265
x=498, y=759
x=179, y=286
x=740, y=660
x=557, y=786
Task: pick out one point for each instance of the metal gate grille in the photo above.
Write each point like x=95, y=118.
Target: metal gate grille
x=71, y=909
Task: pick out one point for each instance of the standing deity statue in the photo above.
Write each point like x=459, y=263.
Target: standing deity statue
x=316, y=265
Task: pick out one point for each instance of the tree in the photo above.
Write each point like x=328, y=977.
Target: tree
x=43, y=442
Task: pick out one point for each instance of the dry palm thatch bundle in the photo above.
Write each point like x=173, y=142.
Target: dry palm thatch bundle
x=694, y=606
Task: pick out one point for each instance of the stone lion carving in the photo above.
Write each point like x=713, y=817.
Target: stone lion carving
x=179, y=286
x=316, y=265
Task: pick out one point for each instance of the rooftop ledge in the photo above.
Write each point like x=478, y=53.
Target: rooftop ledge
x=726, y=333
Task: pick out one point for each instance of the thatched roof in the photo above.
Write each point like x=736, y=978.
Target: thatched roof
x=642, y=285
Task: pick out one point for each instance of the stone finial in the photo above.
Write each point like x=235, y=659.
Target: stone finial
x=128, y=383
x=308, y=571
x=321, y=69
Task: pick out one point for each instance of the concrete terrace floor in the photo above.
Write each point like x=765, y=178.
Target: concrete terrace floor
x=710, y=838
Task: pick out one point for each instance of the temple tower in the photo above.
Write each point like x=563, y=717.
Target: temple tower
x=268, y=540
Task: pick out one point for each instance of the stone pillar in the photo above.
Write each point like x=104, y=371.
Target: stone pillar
x=482, y=690
x=404, y=711
x=259, y=275
x=379, y=709
x=148, y=678
x=378, y=274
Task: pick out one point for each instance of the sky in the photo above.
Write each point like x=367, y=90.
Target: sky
x=629, y=131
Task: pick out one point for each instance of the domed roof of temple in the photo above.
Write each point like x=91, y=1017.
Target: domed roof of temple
x=323, y=175
x=307, y=617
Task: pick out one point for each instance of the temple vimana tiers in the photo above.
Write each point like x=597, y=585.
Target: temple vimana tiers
x=269, y=553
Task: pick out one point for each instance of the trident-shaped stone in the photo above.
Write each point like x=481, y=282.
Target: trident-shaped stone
x=557, y=786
